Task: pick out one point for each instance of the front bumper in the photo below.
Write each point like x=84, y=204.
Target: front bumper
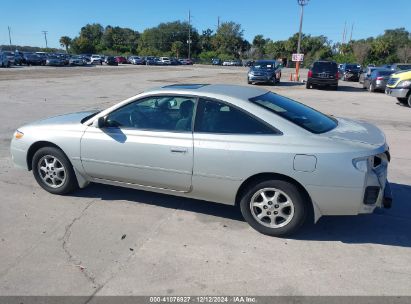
x=400, y=93
x=254, y=78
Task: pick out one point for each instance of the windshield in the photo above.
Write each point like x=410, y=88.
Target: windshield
x=324, y=66
x=352, y=67
x=384, y=73
x=301, y=115
x=404, y=67
x=264, y=65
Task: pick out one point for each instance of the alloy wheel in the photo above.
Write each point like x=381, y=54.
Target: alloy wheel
x=51, y=171
x=272, y=207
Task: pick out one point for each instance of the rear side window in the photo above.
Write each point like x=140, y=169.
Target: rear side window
x=325, y=67
x=217, y=117
x=301, y=115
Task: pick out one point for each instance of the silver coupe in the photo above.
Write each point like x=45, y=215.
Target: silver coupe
x=279, y=160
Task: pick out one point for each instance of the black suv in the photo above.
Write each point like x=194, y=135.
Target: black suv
x=323, y=73
x=350, y=71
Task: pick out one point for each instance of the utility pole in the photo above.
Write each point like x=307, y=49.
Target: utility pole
x=352, y=28
x=301, y=3
x=45, y=38
x=344, y=32
x=189, y=34
x=9, y=37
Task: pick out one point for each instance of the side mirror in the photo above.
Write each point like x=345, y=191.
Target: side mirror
x=100, y=122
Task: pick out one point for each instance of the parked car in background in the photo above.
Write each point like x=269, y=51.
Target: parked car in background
x=350, y=72
x=264, y=71
x=186, y=61
x=96, y=59
x=399, y=85
x=323, y=73
x=216, y=61
x=110, y=60
x=275, y=158
x=33, y=59
x=77, y=60
x=248, y=63
x=10, y=57
x=365, y=73
x=18, y=58
x=121, y=59
x=150, y=60
x=164, y=61
x=55, y=61
x=4, y=60
x=175, y=61
x=136, y=60
x=398, y=67
x=377, y=81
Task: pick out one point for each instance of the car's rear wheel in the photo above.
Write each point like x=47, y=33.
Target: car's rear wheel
x=53, y=171
x=371, y=87
x=274, y=207
x=248, y=81
x=409, y=100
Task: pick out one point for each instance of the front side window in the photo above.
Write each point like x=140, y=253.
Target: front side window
x=217, y=117
x=158, y=113
x=296, y=112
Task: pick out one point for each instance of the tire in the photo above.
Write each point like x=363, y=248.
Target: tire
x=334, y=88
x=248, y=81
x=308, y=85
x=371, y=87
x=409, y=100
x=63, y=179
x=277, y=221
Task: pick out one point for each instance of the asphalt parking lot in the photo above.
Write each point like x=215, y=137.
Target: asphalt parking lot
x=112, y=241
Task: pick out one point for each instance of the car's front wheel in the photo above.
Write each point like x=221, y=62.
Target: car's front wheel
x=53, y=171
x=249, y=81
x=274, y=207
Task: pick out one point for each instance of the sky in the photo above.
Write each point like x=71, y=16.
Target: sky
x=275, y=19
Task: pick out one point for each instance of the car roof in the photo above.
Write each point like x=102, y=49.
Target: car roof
x=234, y=91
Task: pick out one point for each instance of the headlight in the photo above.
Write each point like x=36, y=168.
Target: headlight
x=404, y=84
x=361, y=164
x=18, y=134
x=251, y=73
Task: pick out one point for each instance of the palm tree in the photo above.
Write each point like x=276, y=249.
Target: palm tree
x=65, y=41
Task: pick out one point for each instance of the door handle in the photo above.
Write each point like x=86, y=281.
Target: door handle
x=178, y=150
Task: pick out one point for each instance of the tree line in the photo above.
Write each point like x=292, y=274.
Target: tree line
x=228, y=42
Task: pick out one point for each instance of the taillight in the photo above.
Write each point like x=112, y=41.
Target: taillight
x=337, y=75
x=310, y=73
x=380, y=78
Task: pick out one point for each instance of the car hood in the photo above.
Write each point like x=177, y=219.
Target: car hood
x=357, y=132
x=66, y=119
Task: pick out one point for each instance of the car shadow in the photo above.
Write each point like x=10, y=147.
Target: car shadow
x=109, y=193
x=390, y=227
x=346, y=88
x=289, y=84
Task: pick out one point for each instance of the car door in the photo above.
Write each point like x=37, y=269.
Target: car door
x=147, y=142
x=227, y=145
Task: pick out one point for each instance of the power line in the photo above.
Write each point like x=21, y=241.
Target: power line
x=45, y=37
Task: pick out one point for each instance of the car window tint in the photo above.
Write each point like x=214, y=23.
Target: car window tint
x=324, y=67
x=218, y=117
x=159, y=113
x=296, y=112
